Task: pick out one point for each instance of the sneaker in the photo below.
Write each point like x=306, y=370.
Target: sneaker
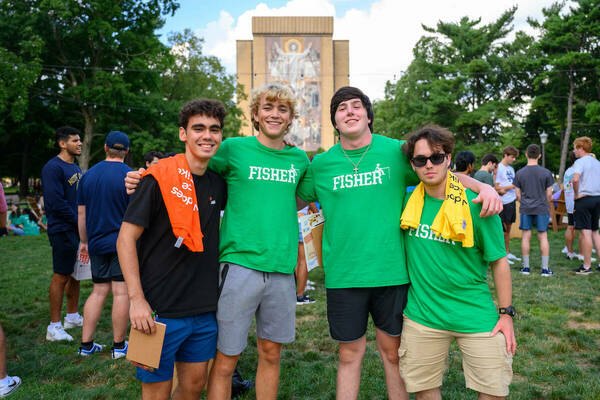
x=525, y=271
x=511, y=256
x=119, y=353
x=304, y=299
x=309, y=287
x=565, y=250
x=583, y=271
x=309, y=282
x=5, y=390
x=96, y=348
x=572, y=256
x=54, y=334
x=509, y=261
x=547, y=272
x=580, y=256
x=73, y=322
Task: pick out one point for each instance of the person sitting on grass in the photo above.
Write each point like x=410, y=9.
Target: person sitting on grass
x=16, y=222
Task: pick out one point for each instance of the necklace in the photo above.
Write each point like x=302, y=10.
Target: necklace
x=361, y=157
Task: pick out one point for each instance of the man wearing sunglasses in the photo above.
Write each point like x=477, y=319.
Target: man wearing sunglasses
x=449, y=296
x=361, y=183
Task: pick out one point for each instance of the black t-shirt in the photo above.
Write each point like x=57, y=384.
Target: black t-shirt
x=176, y=281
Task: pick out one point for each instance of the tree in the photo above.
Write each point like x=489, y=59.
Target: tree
x=467, y=77
x=568, y=89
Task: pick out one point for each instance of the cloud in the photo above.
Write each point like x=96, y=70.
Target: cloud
x=381, y=37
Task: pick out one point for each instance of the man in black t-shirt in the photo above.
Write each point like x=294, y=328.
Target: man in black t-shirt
x=168, y=273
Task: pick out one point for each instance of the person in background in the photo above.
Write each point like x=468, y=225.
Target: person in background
x=465, y=162
x=504, y=185
x=3, y=210
x=485, y=174
x=152, y=157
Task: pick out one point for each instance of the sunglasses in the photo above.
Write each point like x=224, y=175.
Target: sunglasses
x=436, y=159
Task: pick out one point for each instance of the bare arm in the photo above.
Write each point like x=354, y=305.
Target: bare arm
x=549, y=196
x=518, y=193
x=576, y=178
x=503, y=282
x=84, y=255
x=140, y=312
x=491, y=203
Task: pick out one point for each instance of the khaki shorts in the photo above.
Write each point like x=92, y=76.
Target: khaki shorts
x=424, y=353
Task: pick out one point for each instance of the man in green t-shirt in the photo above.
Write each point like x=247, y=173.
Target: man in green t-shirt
x=489, y=163
x=361, y=183
x=449, y=296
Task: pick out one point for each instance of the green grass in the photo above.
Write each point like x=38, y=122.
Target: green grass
x=557, y=328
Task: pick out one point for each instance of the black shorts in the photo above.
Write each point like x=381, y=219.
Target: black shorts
x=508, y=215
x=570, y=219
x=348, y=311
x=64, y=251
x=587, y=212
x=106, y=268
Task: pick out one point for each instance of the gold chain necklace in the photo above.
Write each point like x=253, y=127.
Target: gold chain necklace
x=361, y=157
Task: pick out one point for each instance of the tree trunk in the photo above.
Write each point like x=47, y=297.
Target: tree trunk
x=23, y=178
x=88, y=135
x=567, y=139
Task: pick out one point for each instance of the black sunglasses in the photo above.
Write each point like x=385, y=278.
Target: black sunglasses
x=436, y=159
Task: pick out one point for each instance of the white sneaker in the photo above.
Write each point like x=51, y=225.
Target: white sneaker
x=509, y=261
x=5, y=390
x=310, y=283
x=565, y=250
x=73, y=322
x=57, y=333
x=511, y=256
x=580, y=256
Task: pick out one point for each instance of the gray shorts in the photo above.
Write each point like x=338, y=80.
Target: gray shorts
x=246, y=292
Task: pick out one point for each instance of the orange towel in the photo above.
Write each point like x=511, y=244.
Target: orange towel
x=179, y=194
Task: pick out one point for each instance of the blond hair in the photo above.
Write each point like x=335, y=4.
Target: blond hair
x=583, y=142
x=274, y=91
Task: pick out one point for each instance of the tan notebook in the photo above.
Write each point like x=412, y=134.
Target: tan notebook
x=146, y=349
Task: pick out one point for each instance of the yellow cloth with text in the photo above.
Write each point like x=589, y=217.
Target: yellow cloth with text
x=453, y=220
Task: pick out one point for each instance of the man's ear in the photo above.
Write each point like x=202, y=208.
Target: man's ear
x=182, y=134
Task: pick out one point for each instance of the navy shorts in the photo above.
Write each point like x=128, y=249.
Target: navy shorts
x=64, y=251
x=541, y=222
x=348, y=311
x=188, y=339
x=587, y=212
x=106, y=268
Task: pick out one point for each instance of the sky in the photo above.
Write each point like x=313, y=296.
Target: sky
x=382, y=33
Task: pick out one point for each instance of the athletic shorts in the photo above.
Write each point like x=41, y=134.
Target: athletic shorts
x=348, y=311
x=508, y=215
x=540, y=221
x=423, y=356
x=64, y=251
x=106, y=268
x=189, y=339
x=587, y=212
x=570, y=219
x=246, y=293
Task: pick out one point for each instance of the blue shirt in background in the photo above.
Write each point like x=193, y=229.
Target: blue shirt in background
x=59, y=185
x=102, y=192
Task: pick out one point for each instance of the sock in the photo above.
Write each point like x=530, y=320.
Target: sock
x=119, y=345
x=545, y=262
x=55, y=324
x=87, y=345
x=72, y=316
x=525, y=261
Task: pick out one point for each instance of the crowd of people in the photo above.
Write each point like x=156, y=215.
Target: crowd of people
x=207, y=241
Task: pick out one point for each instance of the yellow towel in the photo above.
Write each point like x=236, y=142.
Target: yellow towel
x=453, y=220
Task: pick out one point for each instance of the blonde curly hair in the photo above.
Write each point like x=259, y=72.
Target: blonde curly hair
x=274, y=91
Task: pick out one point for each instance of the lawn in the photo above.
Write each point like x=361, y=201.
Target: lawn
x=557, y=328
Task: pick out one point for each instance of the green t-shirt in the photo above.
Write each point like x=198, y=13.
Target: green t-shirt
x=15, y=219
x=30, y=228
x=362, y=242
x=449, y=288
x=260, y=223
x=484, y=177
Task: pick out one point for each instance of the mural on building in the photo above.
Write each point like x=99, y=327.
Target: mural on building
x=296, y=61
